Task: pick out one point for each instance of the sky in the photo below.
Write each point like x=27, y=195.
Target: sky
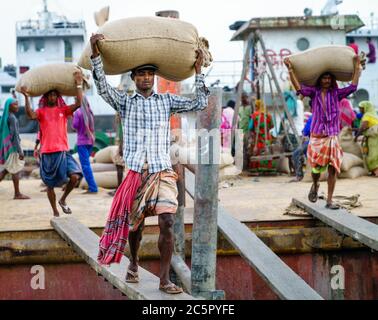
x=211, y=17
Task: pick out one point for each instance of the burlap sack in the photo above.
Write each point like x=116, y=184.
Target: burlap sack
x=188, y=155
x=103, y=167
x=168, y=43
x=350, y=161
x=228, y=172
x=106, y=180
x=354, y=173
x=348, y=144
x=311, y=64
x=102, y=16
x=56, y=76
x=105, y=155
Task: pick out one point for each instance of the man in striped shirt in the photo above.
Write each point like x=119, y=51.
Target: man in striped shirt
x=146, y=125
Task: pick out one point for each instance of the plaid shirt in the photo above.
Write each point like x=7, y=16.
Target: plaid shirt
x=146, y=122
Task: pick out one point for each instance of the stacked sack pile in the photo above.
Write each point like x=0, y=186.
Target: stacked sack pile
x=352, y=166
x=188, y=155
x=104, y=169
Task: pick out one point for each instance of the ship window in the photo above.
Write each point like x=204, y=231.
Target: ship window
x=68, y=56
x=40, y=45
x=6, y=89
x=24, y=45
x=303, y=44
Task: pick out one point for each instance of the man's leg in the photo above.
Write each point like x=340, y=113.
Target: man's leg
x=52, y=198
x=3, y=174
x=332, y=177
x=313, y=195
x=84, y=154
x=166, y=244
x=16, y=183
x=135, y=239
x=298, y=163
x=74, y=178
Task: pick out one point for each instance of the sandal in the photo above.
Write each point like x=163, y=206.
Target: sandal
x=332, y=206
x=66, y=209
x=313, y=195
x=132, y=276
x=171, y=288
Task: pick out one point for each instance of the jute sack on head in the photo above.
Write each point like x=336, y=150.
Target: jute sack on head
x=56, y=76
x=311, y=64
x=168, y=43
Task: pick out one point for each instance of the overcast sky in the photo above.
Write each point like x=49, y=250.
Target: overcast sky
x=211, y=17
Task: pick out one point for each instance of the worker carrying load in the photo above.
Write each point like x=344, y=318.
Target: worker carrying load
x=314, y=75
x=150, y=187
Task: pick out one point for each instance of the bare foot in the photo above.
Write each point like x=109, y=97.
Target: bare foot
x=56, y=214
x=21, y=197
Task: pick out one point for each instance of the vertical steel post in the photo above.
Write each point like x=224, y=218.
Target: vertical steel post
x=205, y=220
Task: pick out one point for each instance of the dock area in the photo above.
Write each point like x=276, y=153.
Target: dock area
x=248, y=199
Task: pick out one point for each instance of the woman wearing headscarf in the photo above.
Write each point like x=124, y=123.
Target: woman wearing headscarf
x=11, y=153
x=83, y=123
x=369, y=128
x=260, y=124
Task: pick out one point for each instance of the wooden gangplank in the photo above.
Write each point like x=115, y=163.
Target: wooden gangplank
x=85, y=243
x=280, y=278
x=343, y=221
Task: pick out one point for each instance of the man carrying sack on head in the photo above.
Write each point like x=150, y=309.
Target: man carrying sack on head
x=324, y=151
x=56, y=164
x=150, y=187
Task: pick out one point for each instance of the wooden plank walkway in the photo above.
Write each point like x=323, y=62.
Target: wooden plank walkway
x=85, y=243
x=343, y=221
x=281, y=279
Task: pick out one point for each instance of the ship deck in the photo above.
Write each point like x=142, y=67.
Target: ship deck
x=249, y=199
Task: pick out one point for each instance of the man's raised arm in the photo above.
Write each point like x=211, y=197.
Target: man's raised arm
x=115, y=98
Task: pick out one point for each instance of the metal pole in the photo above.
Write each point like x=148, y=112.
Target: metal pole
x=205, y=220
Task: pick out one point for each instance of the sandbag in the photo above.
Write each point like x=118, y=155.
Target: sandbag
x=348, y=144
x=168, y=43
x=311, y=64
x=103, y=167
x=354, y=173
x=350, y=161
x=105, y=155
x=283, y=165
x=228, y=173
x=106, y=180
x=188, y=155
x=36, y=173
x=56, y=76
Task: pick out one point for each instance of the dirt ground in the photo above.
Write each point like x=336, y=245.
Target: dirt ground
x=247, y=198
